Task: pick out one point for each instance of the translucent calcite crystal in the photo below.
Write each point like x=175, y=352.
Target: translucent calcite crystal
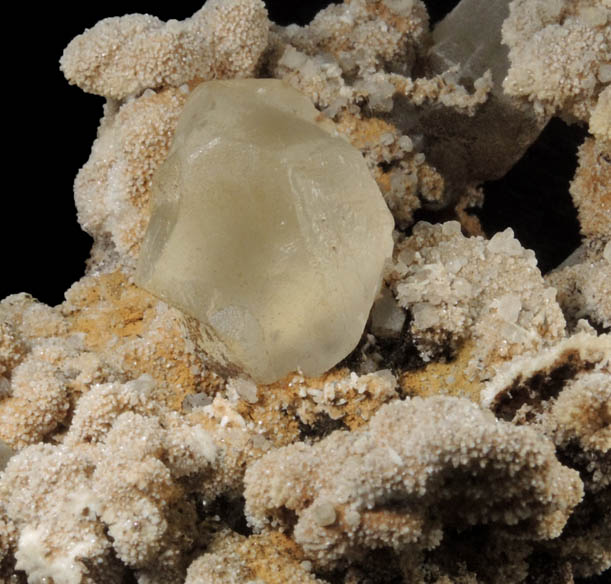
x=484, y=146
x=267, y=228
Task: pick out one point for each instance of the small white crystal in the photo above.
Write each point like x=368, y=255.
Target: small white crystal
x=196, y=400
x=604, y=73
x=406, y=144
x=450, y=228
x=245, y=389
x=324, y=514
x=403, y=7
x=504, y=242
x=509, y=307
x=594, y=15
x=425, y=316
x=387, y=317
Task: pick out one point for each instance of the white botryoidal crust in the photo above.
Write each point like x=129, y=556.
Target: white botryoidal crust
x=267, y=228
x=123, y=56
x=559, y=52
x=377, y=487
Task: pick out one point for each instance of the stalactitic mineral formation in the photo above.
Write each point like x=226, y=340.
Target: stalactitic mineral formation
x=267, y=228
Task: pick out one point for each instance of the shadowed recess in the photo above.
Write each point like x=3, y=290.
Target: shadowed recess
x=533, y=197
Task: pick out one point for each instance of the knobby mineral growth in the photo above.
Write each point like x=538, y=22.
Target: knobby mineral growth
x=465, y=440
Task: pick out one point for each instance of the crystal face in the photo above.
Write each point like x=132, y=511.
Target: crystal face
x=473, y=149
x=267, y=228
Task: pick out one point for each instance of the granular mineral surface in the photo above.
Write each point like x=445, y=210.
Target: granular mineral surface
x=238, y=235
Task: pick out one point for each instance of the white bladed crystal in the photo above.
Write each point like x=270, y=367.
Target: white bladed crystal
x=267, y=228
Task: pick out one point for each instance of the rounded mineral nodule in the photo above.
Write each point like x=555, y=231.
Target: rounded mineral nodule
x=267, y=228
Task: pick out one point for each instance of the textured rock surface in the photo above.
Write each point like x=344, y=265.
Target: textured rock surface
x=457, y=288
x=376, y=487
x=125, y=55
x=127, y=454
x=271, y=558
x=583, y=285
x=254, y=182
x=559, y=53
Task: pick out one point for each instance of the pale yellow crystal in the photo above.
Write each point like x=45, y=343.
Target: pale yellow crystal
x=267, y=228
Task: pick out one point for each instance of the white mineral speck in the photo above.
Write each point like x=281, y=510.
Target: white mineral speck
x=324, y=514
x=245, y=388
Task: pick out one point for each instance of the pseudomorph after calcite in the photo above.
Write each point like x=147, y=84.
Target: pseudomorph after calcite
x=267, y=228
